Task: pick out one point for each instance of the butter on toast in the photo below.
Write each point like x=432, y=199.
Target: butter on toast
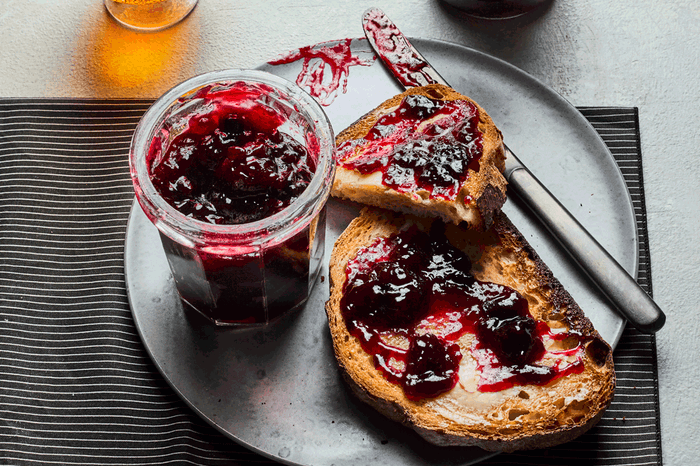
x=468, y=165
x=486, y=407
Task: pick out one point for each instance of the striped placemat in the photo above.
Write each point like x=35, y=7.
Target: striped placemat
x=76, y=385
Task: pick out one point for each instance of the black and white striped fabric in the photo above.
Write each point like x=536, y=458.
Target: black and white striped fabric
x=76, y=385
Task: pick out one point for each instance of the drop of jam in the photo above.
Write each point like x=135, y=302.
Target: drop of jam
x=395, y=293
x=508, y=320
x=409, y=297
x=425, y=144
x=231, y=167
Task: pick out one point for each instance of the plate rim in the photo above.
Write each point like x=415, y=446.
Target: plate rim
x=417, y=41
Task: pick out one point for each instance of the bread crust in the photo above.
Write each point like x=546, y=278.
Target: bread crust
x=481, y=197
x=517, y=418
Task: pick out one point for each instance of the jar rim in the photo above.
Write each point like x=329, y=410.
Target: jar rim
x=302, y=209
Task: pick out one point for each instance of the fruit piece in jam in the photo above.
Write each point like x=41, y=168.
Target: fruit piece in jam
x=424, y=144
x=408, y=298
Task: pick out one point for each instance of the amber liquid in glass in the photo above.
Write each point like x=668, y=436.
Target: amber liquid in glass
x=149, y=15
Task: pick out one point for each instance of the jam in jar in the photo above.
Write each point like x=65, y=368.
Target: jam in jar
x=234, y=169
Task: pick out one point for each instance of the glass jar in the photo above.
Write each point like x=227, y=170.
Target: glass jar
x=245, y=274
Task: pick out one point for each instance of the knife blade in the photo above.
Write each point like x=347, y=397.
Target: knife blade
x=411, y=69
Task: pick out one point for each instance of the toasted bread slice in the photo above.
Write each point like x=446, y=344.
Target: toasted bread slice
x=474, y=200
x=516, y=415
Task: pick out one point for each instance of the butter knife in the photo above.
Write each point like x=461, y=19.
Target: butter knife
x=411, y=69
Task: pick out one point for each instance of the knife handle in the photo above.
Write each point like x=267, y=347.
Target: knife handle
x=606, y=273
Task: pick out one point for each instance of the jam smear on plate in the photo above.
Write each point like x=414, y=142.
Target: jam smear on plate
x=336, y=57
x=410, y=297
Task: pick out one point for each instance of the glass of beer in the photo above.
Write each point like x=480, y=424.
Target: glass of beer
x=149, y=15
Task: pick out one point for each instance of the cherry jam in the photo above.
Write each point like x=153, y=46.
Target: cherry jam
x=424, y=144
x=234, y=169
x=229, y=167
x=406, y=65
x=325, y=68
x=409, y=297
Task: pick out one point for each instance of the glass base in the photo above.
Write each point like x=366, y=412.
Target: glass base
x=496, y=9
x=149, y=15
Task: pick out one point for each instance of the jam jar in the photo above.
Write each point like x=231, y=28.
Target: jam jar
x=234, y=169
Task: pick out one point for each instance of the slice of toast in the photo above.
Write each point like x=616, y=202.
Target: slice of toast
x=475, y=196
x=485, y=408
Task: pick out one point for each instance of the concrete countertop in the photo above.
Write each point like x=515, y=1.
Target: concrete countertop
x=642, y=53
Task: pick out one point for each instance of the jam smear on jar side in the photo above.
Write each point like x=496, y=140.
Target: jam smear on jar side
x=408, y=298
x=425, y=144
x=232, y=165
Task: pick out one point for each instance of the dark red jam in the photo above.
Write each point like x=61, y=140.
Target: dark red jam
x=336, y=57
x=423, y=144
x=406, y=65
x=233, y=164
x=410, y=297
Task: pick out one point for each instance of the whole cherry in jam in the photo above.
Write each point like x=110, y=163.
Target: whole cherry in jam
x=432, y=367
x=508, y=320
x=417, y=286
x=425, y=143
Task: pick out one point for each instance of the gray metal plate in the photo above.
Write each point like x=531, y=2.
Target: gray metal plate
x=278, y=391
